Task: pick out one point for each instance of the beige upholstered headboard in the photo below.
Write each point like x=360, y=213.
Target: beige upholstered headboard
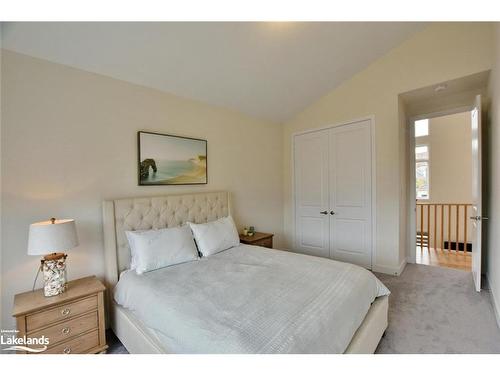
x=166, y=211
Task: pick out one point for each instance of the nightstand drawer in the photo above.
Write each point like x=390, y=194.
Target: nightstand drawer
x=81, y=344
x=265, y=242
x=65, y=311
x=68, y=328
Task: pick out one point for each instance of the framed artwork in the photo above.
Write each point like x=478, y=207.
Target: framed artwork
x=165, y=159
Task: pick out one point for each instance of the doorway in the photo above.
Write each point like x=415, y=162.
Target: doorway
x=443, y=190
x=462, y=220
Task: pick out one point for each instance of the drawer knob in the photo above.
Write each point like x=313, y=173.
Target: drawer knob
x=66, y=330
x=67, y=350
x=66, y=311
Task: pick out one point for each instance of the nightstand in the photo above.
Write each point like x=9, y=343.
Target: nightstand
x=72, y=321
x=258, y=239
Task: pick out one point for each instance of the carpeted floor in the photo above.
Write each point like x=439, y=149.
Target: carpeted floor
x=437, y=310
x=114, y=345
x=431, y=310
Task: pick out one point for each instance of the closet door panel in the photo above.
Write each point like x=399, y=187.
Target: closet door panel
x=350, y=193
x=311, y=193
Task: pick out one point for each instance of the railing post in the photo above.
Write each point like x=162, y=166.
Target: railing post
x=428, y=227
x=435, y=226
x=457, y=229
x=449, y=227
x=465, y=229
x=442, y=226
x=421, y=227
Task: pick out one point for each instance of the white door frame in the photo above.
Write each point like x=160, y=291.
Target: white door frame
x=412, y=228
x=370, y=118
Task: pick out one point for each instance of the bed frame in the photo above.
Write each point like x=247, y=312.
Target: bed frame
x=173, y=210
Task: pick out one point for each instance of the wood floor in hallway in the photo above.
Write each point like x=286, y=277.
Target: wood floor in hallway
x=444, y=258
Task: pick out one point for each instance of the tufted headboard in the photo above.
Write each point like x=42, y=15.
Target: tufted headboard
x=166, y=211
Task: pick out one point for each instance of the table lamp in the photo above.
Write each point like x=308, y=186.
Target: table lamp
x=50, y=238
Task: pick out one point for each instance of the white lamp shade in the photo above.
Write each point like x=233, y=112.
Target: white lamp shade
x=46, y=237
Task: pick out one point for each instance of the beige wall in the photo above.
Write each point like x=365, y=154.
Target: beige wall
x=450, y=158
x=493, y=208
x=404, y=181
x=69, y=141
x=438, y=53
x=1, y=254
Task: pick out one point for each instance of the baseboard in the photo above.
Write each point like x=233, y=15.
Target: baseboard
x=396, y=271
x=496, y=308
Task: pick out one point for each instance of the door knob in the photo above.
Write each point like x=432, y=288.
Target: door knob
x=332, y=212
x=324, y=212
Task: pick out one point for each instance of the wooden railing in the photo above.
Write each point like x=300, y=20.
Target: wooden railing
x=443, y=225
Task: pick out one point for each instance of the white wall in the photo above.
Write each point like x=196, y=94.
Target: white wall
x=69, y=141
x=441, y=52
x=493, y=211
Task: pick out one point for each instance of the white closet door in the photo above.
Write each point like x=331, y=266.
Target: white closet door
x=351, y=193
x=311, y=193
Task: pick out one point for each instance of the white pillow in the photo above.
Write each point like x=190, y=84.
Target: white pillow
x=130, y=238
x=215, y=236
x=153, y=249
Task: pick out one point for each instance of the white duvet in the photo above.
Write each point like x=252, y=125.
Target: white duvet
x=251, y=299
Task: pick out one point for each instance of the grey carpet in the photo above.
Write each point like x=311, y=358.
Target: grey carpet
x=437, y=310
x=114, y=345
x=431, y=310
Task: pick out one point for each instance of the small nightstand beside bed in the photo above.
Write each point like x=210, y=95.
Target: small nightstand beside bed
x=246, y=299
x=258, y=239
x=72, y=321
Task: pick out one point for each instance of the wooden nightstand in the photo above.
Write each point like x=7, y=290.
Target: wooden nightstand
x=258, y=239
x=72, y=321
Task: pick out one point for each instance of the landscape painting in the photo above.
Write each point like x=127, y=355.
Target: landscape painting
x=171, y=160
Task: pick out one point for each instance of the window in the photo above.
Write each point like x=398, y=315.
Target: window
x=422, y=171
x=422, y=153
x=421, y=128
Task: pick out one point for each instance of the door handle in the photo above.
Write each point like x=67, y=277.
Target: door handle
x=324, y=212
x=478, y=218
x=332, y=212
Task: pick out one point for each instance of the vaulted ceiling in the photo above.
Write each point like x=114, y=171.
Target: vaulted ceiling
x=269, y=70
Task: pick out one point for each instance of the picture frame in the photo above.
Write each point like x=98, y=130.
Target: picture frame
x=166, y=159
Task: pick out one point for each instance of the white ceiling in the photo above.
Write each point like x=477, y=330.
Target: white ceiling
x=267, y=70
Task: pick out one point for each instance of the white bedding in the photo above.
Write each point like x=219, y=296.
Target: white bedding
x=251, y=299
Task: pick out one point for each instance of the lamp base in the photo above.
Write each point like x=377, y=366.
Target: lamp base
x=54, y=274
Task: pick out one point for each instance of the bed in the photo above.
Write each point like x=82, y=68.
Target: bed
x=246, y=299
